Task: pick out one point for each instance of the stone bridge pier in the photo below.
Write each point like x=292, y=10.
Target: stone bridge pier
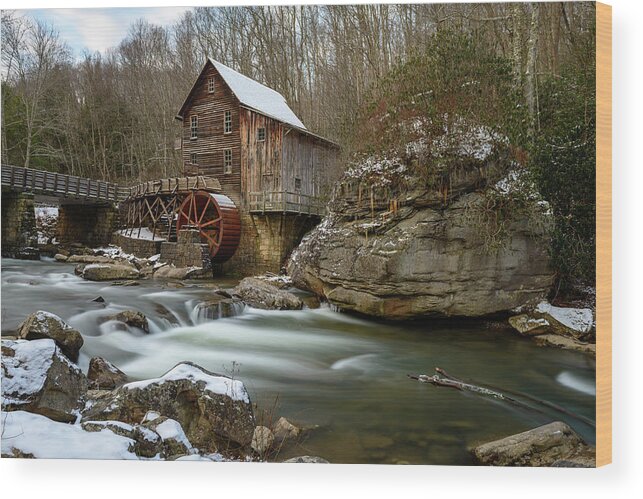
x=90, y=225
x=19, y=235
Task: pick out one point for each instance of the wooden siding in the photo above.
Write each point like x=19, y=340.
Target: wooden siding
x=304, y=157
x=211, y=141
x=260, y=160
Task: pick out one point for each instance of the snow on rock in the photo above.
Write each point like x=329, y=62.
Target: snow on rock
x=25, y=371
x=379, y=170
x=26, y=434
x=175, y=441
x=37, y=377
x=220, y=385
x=213, y=410
x=577, y=320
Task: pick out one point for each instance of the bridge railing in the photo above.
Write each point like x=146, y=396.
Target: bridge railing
x=61, y=185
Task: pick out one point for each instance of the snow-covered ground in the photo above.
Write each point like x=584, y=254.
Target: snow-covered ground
x=142, y=233
x=43, y=438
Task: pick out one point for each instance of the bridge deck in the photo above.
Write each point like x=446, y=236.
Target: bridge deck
x=61, y=186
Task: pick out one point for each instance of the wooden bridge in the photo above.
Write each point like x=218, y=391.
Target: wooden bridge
x=60, y=187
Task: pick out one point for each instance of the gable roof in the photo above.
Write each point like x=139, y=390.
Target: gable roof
x=253, y=95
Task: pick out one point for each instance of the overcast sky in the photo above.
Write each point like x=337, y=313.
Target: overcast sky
x=100, y=29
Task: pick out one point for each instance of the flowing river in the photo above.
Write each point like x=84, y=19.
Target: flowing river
x=343, y=375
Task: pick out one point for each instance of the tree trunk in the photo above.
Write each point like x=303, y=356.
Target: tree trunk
x=530, y=74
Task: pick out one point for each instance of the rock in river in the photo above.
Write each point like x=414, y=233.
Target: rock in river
x=132, y=318
x=38, y=378
x=542, y=446
x=109, y=272
x=41, y=324
x=214, y=410
x=259, y=293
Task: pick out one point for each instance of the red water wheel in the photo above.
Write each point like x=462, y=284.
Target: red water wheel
x=217, y=219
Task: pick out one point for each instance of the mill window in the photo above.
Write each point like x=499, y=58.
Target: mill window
x=194, y=158
x=227, y=122
x=194, y=126
x=211, y=85
x=261, y=134
x=297, y=184
x=227, y=161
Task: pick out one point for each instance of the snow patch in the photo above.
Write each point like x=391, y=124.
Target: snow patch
x=46, y=439
x=578, y=319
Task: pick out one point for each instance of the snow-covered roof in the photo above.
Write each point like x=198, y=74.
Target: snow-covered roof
x=253, y=94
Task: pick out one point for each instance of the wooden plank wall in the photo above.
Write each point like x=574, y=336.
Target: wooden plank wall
x=211, y=141
x=260, y=161
x=299, y=161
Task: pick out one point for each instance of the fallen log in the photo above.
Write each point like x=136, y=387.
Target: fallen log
x=442, y=378
x=546, y=403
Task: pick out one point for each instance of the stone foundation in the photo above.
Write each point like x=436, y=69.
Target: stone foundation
x=19, y=234
x=86, y=224
x=266, y=242
x=142, y=248
x=188, y=251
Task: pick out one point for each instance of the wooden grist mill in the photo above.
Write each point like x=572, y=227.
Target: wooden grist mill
x=252, y=178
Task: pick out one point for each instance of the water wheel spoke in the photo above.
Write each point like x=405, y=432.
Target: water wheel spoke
x=205, y=209
x=211, y=240
x=193, y=209
x=211, y=222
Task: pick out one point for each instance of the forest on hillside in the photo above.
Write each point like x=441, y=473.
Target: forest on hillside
x=111, y=115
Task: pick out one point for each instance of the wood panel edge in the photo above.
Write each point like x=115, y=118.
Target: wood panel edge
x=603, y=234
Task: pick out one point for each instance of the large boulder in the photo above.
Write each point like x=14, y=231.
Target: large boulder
x=38, y=378
x=104, y=375
x=542, y=446
x=259, y=293
x=42, y=325
x=109, y=272
x=214, y=410
x=419, y=251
